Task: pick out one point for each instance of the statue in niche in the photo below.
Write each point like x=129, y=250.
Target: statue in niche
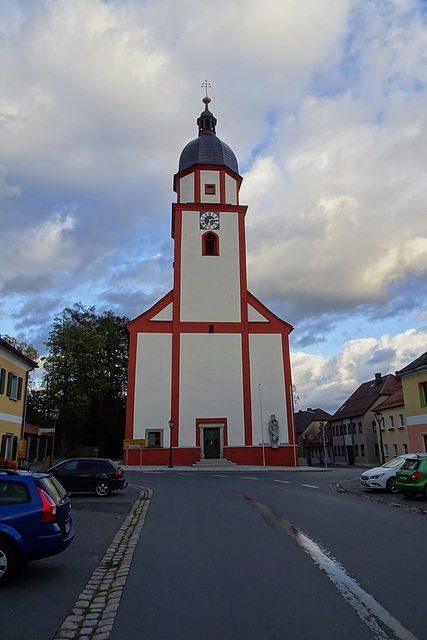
x=273, y=427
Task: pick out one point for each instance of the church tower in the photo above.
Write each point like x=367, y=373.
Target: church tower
x=209, y=364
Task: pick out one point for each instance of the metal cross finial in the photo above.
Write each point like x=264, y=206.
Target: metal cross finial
x=206, y=85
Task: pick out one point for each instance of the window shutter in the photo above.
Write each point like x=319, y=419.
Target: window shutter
x=2, y=379
x=3, y=447
x=9, y=383
x=19, y=395
x=14, y=447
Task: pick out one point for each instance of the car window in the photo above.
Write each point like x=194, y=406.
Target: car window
x=70, y=465
x=105, y=466
x=411, y=465
x=53, y=488
x=391, y=464
x=12, y=492
x=87, y=466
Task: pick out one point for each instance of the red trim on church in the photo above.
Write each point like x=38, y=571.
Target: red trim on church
x=247, y=452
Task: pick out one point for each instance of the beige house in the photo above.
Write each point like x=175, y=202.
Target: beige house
x=393, y=436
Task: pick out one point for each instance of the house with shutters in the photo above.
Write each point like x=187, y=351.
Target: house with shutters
x=414, y=386
x=354, y=427
x=14, y=370
x=209, y=366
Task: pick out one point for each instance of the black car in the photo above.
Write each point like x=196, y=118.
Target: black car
x=89, y=474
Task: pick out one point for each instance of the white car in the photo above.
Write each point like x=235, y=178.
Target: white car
x=383, y=477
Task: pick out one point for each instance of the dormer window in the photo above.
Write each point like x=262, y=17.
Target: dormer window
x=209, y=189
x=210, y=244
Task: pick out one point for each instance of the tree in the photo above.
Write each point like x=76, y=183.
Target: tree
x=85, y=375
x=27, y=349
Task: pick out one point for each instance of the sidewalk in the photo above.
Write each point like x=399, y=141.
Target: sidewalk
x=352, y=486
x=238, y=468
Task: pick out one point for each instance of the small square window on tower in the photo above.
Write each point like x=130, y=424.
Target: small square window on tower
x=210, y=189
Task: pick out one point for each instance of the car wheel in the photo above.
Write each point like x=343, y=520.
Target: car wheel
x=102, y=488
x=391, y=485
x=7, y=562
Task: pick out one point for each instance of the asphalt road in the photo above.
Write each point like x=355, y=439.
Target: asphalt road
x=223, y=556
x=243, y=555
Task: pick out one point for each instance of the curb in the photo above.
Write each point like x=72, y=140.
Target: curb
x=95, y=609
x=337, y=486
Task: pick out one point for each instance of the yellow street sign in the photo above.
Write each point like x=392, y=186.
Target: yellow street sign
x=134, y=444
x=22, y=448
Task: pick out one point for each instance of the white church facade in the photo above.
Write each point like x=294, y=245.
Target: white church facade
x=209, y=366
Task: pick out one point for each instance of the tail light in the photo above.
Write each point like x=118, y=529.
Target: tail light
x=49, y=507
x=118, y=473
x=417, y=475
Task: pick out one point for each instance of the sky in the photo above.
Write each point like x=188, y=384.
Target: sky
x=324, y=105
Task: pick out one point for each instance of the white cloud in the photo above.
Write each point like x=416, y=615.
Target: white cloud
x=324, y=106
x=327, y=382
x=36, y=254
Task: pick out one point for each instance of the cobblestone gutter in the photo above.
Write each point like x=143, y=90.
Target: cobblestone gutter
x=94, y=612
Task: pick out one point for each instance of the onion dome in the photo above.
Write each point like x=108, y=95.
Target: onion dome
x=207, y=148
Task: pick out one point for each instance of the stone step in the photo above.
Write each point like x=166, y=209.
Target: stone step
x=214, y=462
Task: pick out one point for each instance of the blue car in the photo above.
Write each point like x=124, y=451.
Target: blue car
x=35, y=519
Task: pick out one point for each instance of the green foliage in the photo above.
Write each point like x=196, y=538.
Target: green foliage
x=85, y=374
x=27, y=349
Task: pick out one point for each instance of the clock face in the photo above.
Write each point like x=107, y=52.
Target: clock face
x=209, y=220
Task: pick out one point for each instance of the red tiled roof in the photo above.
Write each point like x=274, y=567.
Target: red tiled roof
x=366, y=395
x=395, y=400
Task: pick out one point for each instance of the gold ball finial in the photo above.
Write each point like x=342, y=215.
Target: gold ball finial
x=206, y=85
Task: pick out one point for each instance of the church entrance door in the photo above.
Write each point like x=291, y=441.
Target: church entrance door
x=212, y=444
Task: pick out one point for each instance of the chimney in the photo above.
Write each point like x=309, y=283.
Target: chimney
x=378, y=379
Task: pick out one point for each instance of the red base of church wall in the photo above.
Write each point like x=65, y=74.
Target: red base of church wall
x=280, y=457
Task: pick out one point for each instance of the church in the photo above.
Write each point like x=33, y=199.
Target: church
x=209, y=368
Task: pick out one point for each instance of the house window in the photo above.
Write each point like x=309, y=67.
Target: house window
x=391, y=424
x=14, y=386
x=2, y=379
x=154, y=438
x=210, y=189
x=356, y=446
x=386, y=450
x=401, y=421
x=423, y=393
x=405, y=448
x=377, y=451
x=210, y=244
x=395, y=449
x=362, y=449
x=360, y=427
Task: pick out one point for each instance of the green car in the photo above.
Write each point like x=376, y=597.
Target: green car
x=411, y=478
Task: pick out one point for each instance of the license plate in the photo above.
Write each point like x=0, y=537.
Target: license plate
x=67, y=527
x=402, y=479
